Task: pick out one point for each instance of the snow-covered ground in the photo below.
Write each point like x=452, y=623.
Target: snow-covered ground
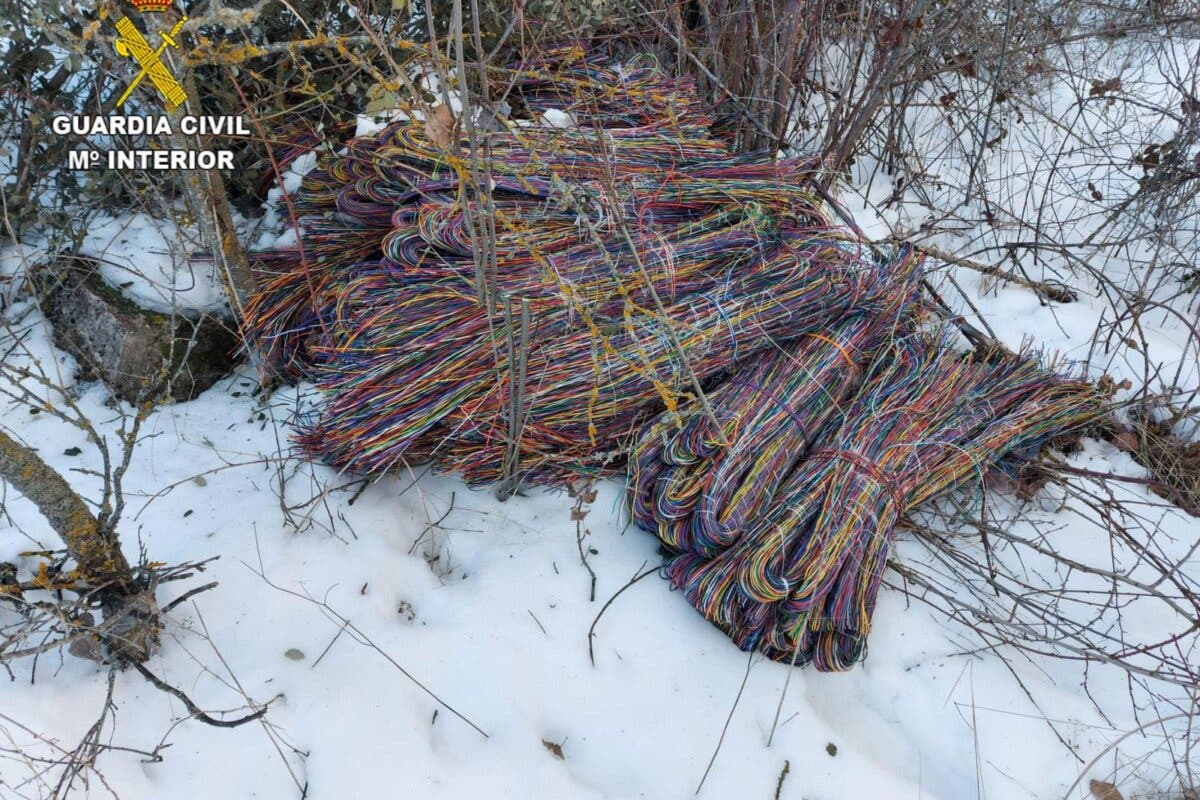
x=334, y=603
x=146, y=259
x=487, y=605
x=490, y=609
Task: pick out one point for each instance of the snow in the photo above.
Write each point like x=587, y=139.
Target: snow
x=151, y=262
x=29, y=347
x=371, y=124
x=490, y=609
x=15, y=261
x=488, y=605
x=297, y=170
x=274, y=228
x=556, y=118
x=1060, y=143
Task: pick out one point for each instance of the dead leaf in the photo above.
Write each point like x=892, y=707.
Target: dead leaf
x=1101, y=88
x=1030, y=480
x=1103, y=790
x=381, y=101
x=556, y=749
x=1127, y=441
x=439, y=128
x=1149, y=158
x=1108, y=386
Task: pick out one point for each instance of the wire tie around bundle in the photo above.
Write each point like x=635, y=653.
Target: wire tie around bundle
x=873, y=471
x=737, y=381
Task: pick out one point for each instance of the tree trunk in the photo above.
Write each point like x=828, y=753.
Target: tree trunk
x=131, y=626
x=96, y=552
x=204, y=190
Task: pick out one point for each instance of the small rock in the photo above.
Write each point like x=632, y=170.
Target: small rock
x=87, y=647
x=139, y=354
x=294, y=654
x=831, y=748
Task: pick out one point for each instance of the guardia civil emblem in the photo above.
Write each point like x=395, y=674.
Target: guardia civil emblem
x=131, y=43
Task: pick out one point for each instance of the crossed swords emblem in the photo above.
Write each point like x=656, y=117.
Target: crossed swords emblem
x=130, y=42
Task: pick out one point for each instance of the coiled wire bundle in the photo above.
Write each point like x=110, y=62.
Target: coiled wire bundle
x=647, y=257
x=799, y=581
x=777, y=390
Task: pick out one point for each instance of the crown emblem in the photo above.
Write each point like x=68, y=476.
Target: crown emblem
x=145, y=6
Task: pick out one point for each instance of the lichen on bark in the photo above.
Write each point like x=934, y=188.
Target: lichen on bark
x=131, y=620
x=97, y=552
